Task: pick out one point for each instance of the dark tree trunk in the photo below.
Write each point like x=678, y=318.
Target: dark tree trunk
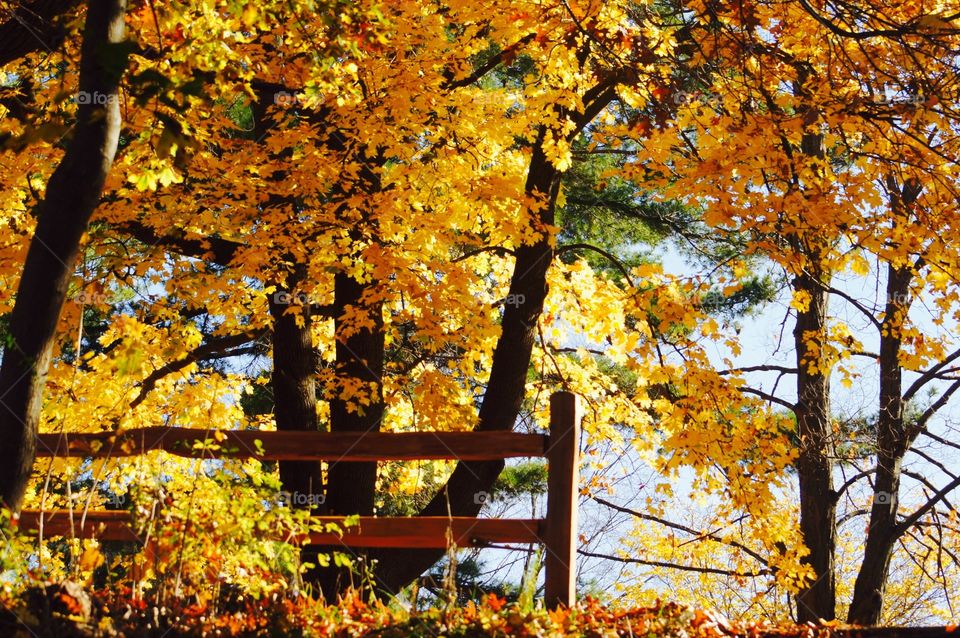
x=71, y=197
x=351, y=487
x=814, y=467
x=295, y=397
x=294, y=375
x=893, y=440
x=360, y=355
x=463, y=493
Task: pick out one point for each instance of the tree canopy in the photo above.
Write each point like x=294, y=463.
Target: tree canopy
x=415, y=216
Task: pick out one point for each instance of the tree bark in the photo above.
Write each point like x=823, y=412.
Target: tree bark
x=295, y=397
x=351, y=487
x=464, y=491
x=814, y=467
x=294, y=376
x=893, y=440
x=360, y=355
x=72, y=195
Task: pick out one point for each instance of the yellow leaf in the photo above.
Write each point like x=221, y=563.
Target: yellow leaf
x=90, y=559
x=801, y=300
x=249, y=16
x=859, y=265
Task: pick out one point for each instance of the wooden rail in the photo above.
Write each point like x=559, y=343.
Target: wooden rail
x=421, y=532
x=295, y=446
x=558, y=531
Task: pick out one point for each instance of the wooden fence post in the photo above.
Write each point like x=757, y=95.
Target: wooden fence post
x=563, y=486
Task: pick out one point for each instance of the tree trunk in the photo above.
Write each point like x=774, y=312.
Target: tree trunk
x=893, y=441
x=814, y=467
x=360, y=355
x=72, y=195
x=295, y=397
x=351, y=487
x=294, y=375
x=466, y=489
x=464, y=493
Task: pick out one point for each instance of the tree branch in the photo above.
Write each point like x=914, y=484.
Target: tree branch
x=930, y=375
x=926, y=507
x=609, y=256
x=685, y=568
x=500, y=250
x=853, y=35
x=683, y=528
x=850, y=481
x=769, y=397
x=920, y=478
x=220, y=251
x=489, y=65
x=761, y=368
x=33, y=26
x=856, y=304
x=216, y=348
x=921, y=422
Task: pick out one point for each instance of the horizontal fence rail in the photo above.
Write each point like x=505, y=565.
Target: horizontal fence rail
x=557, y=532
x=295, y=446
x=415, y=532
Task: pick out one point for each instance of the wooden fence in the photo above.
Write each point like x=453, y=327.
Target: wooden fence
x=557, y=532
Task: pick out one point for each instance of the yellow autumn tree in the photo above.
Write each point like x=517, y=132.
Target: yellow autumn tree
x=827, y=140
x=342, y=216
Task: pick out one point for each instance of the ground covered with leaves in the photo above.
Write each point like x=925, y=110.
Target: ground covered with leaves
x=67, y=610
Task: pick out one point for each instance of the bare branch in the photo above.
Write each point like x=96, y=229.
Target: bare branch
x=926, y=507
x=683, y=528
x=762, y=368
x=769, y=397
x=940, y=439
x=850, y=516
x=916, y=476
x=853, y=479
x=216, y=348
x=610, y=257
x=921, y=422
x=856, y=304
x=685, y=568
x=219, y=250
x=930, y=375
